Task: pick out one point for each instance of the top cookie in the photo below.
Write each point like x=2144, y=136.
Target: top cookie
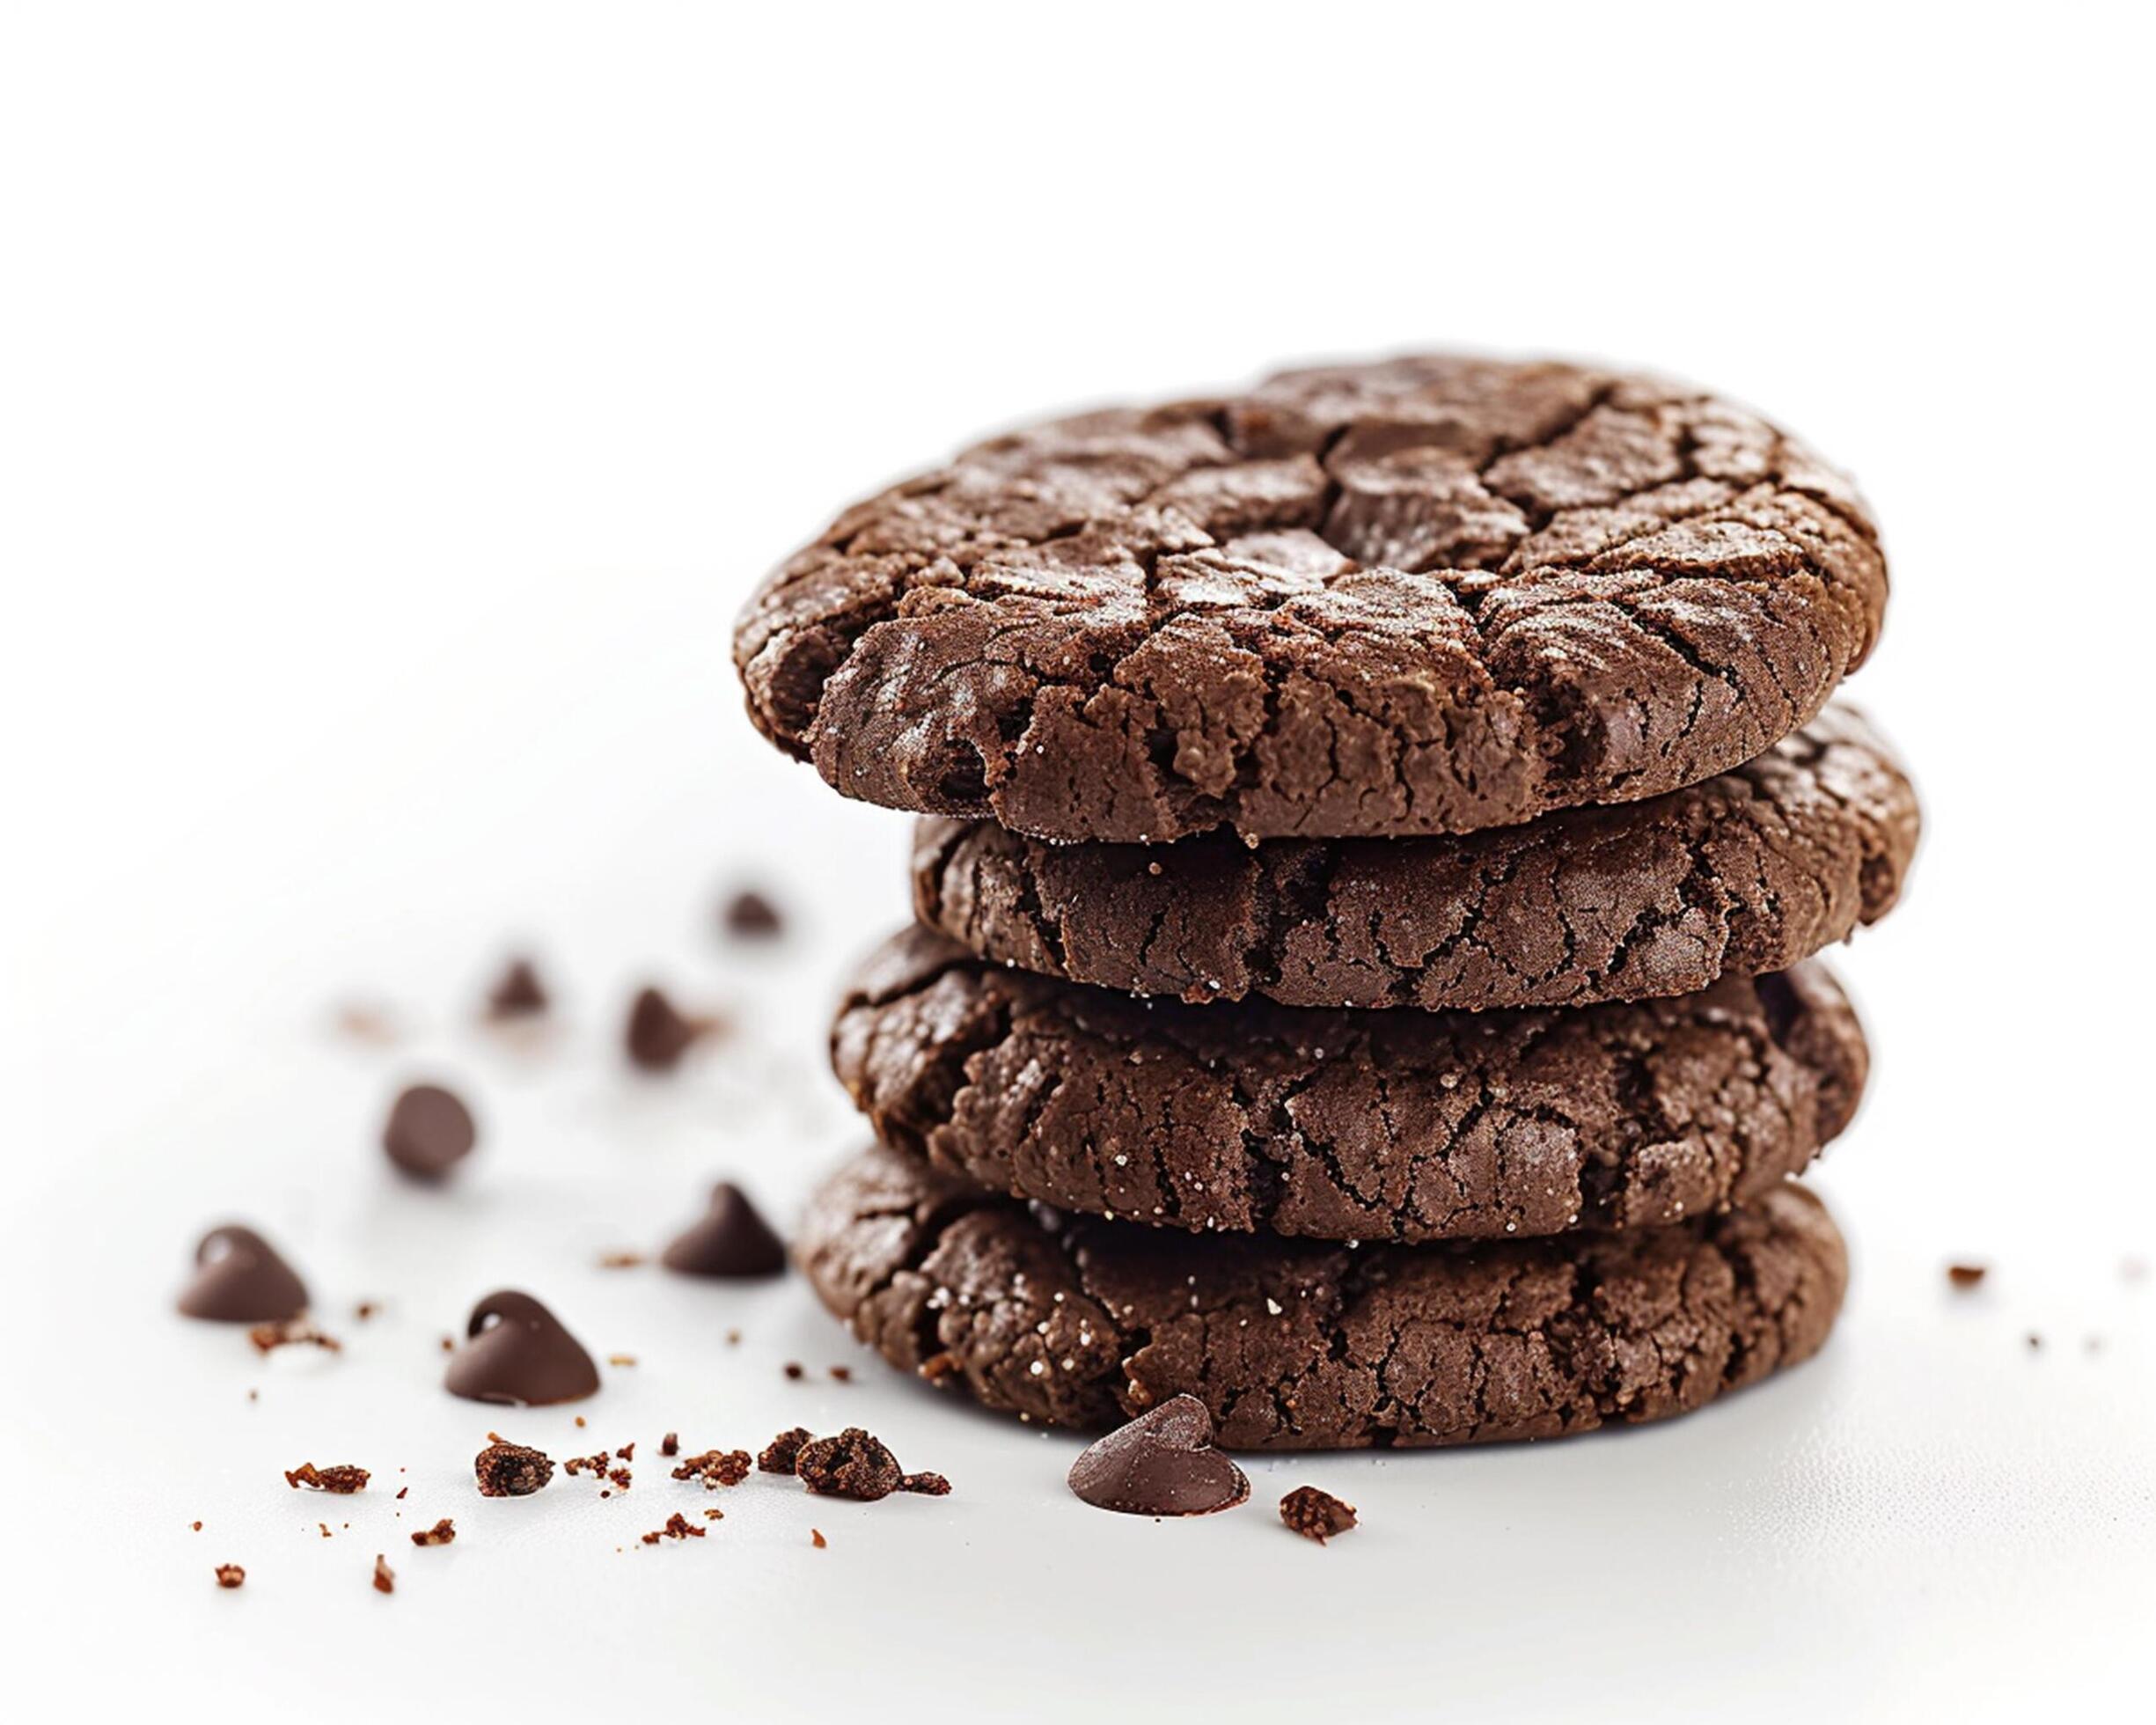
x=1429, y=594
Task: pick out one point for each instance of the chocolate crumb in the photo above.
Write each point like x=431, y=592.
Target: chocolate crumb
x=401, y=1490
x=326, y=1534
x=291, y=1333
x=620, y=1477
x=678, y=1526
x=733, y=1338
x=511, y=1469
x=842, y=1373
x=1966, y=1275
x=440, y=1534
x=1316, y=1514
x=2036, y=1341
x=782, y=1454
x=621, y=1359
x=449, y=1344
x=752, y=916
x=365, y=1310
x=817, y=1540
x=855, y=1464
x=626, y=1453
x=714, y=1513
x=518, y=993
x=364, y=1023
x=795, y=1371
x=342, y=1480
x=928, y=1485
x=198, y=1527
x=671, y=1444
x=715, y=1468
x=231, y=1574
x=580, y=1419
x=384, y=1577
x=621, y=1260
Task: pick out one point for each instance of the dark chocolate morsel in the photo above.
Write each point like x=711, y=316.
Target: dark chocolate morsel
x=1162, y=1463
x=731, y=1238
x=239, y=1279
x=753, y=916
x=517, y=1352
x=518, y=993
x=429, y=1132
x=658, y=1035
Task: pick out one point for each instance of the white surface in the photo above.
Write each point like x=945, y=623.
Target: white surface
x=394, y=409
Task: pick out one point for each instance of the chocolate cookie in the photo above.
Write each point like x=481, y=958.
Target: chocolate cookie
x=1293, y=1346
x=1429, y=594
x=1347, y=1126
x=1744, y=873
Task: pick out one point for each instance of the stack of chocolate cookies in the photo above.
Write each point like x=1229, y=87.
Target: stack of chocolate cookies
x=1378, y=830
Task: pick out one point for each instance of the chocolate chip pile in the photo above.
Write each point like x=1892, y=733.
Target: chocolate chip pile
x=1377, y=833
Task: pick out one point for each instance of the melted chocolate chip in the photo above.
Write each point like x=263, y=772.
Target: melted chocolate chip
x=1162, y=1463
x=511, y=1469
x=428, y=1133
x=658, y=1035
x=518, y=993
x=730, y=1239
x=239, y=1279
x=523, y=1355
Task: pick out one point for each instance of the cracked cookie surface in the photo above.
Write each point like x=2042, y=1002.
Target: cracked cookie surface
x=1427, y=595
x=1295, y=1345
x=1744, y=873
x=1347, y=1126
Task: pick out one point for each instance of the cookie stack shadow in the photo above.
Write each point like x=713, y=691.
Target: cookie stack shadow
x=1378, y=830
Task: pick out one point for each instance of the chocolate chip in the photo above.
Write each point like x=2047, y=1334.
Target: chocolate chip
x=752, y=916
x=852, y=1465
x=782, y=1454
x=730, y=1239
x=1966, y=1275
x=518, y=993
x=517, y=1351
x=239, y=1279
x=1316, y=1514
x=428, y=1133
x=658, y=1035
x=511, y=1469
x=1162, y=1463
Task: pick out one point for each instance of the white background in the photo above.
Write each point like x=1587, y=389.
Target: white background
x=396, y=403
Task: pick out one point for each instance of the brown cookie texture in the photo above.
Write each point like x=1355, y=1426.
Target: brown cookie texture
x=1745, y=872
x=1072, y=1321
x=1347, y=1126
x=1428, y=594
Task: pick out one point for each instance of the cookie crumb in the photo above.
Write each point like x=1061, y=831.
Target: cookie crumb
x=842, y=1373
x=928, y=1485
x=733, y=1338
x=782, y=1453
x=231, y=1574
x=816, y=1538
x=364, y=1310
x=1316, y=1514
x=795, y=1370
x=714, y=1513
x=511, y=1469
x=198, y=1527
x=1966, y=1275
x=342, y=1480
x=855, y=1464
x=621, y=1359
x=384, y=1577
x=671, y=1444
x=753, y=916
x=715, y=1468
x=678, y=1526
x=440, y=1534
x=2036, y=1341
x=622, y=1260
x=291, y=1333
